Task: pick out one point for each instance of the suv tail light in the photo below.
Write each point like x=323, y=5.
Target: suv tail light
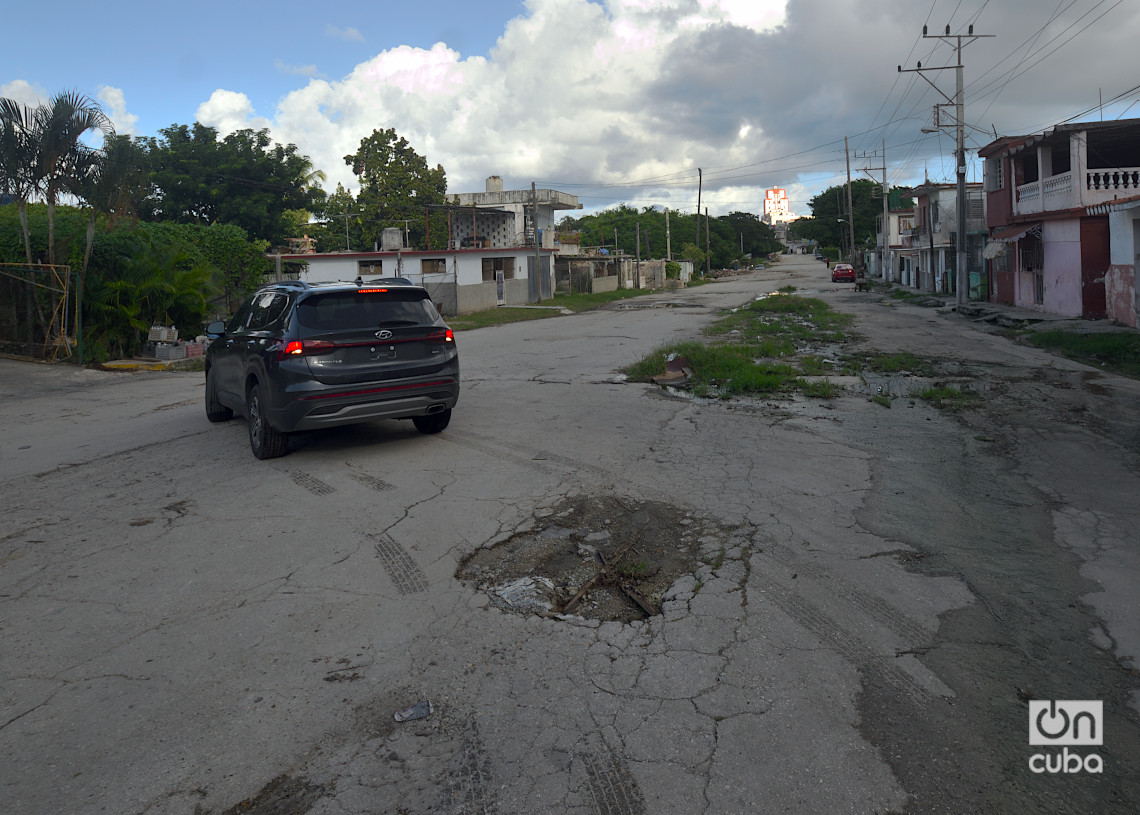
x=444, y=336
x=297, y=348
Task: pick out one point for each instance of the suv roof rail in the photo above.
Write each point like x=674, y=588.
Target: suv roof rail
x=395, y=281
x=292, y=284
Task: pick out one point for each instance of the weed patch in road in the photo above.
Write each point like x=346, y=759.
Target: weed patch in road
x=766, y=347
x=949, y=397
x=902, y=363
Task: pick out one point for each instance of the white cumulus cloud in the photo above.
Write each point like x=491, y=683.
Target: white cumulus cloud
x=114, y=104
x=24, y=92
x=622, y=100
x=576, y=103
x=229, y=111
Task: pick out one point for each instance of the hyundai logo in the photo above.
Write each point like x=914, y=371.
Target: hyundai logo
x=384, y=335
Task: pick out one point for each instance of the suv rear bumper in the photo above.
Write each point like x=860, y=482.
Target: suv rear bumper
x=399, y=400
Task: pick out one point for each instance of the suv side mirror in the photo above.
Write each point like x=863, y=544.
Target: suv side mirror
x=216, y=329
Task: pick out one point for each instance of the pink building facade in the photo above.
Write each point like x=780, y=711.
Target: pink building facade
x=1061, y=211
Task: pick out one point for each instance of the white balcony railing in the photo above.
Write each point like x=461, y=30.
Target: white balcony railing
x=1055, y=187
x=1125, y=179
x=1028, y=198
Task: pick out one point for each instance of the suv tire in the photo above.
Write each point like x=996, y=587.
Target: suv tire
x=263, y=439
x=215, y=410
x=432, y=423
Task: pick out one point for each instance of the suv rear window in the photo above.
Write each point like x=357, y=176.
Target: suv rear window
x=353, y=309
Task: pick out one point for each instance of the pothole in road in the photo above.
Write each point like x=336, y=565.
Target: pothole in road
x=603, y=558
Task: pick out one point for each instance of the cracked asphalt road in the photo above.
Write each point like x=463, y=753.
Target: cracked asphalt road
x=185, y=629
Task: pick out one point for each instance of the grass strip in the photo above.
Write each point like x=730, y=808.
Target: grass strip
x=1116, y=351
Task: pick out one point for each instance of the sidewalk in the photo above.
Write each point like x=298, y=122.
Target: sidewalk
x=148, y=364
x=1007, y=316
x=1013, y=317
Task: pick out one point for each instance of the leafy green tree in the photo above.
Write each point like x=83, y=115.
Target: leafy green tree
x=731, y=236
x=695, y=255
x=241, y=263
x=754, y=237
x=141, y=273
x=159, y=282
x=113, y=182
x=828, y=224
x=396, y=187
x=340, y=225
x=244, y=179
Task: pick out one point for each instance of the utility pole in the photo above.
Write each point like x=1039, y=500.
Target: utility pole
x=537, y=254
x=637, y=261
x=668, y=238
x=708, y=251
x=886, y=210
x=700, y=183
x=850, y=209
x=959, y=104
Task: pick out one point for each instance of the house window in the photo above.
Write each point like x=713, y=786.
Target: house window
x=995, y=174
x=1030, y=253
x=433, y=266
x=493, y=265
x=974, y=205
x=369, y=268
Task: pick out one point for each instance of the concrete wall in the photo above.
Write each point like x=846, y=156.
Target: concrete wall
x=600, y=284
x=331, y=267
x=483, y=296
x=652, y=273
x=1121, y=296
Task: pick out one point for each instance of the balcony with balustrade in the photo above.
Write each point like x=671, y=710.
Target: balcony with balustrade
x=1058, y=193
x=1078, y=165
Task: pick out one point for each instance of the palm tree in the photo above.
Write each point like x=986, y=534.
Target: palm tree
x=62, y=156
x=18, y=160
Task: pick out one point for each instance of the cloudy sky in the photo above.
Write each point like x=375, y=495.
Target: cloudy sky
x=612, y=100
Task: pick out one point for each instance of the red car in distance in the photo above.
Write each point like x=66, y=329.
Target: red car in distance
x=843, y=273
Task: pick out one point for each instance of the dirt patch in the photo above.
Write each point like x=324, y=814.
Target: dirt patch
x=284, y=795
x=602, y=558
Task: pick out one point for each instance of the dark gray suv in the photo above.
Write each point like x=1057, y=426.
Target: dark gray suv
x=300, y=356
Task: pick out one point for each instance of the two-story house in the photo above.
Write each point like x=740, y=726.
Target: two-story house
x=929, y=261
x=498, y=252
x=1062, y=215
x=893, y=241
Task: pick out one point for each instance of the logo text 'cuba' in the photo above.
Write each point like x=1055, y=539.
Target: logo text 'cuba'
x=1066, y=724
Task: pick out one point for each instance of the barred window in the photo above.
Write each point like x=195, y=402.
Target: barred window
x=1030, y=253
